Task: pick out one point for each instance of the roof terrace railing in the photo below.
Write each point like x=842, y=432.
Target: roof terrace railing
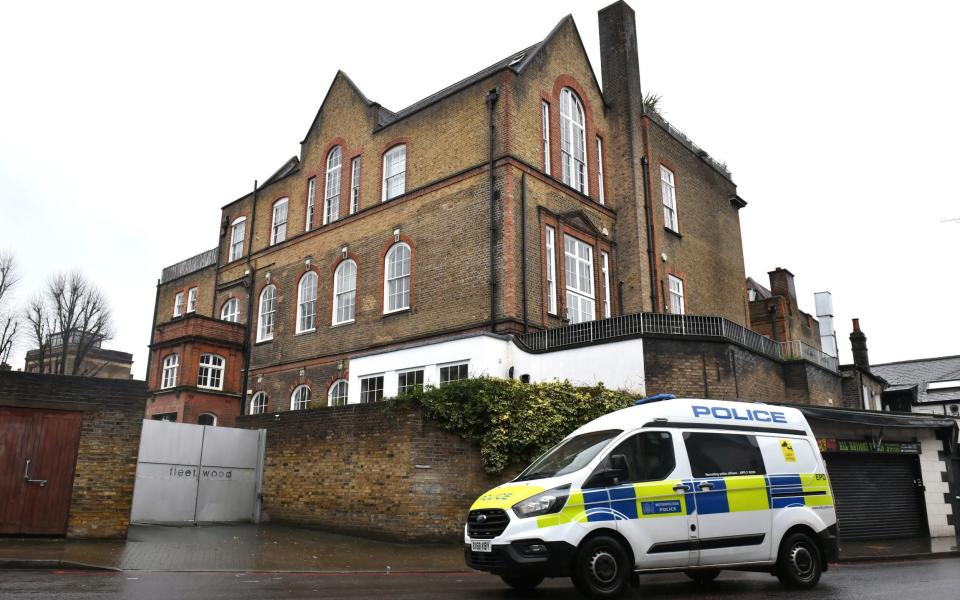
x=641, y=324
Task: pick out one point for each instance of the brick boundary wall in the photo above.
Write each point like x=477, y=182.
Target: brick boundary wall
x=377, y=470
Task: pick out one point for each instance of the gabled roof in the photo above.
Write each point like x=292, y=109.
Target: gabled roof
x=920, y=373
x=762, y=292
x=288, y=167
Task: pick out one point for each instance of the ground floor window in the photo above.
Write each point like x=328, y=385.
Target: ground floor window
x=207, y=419
x=409, y=381
x=165, y=417
x=300, y=398
x=338, y=393
x=258, y=405
x=454, y=372
x=371, y=389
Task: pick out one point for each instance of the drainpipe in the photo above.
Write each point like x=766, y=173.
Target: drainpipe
x=492, y=97
x=523, y=248
x=153, y=333
x=252, y=279
x=651, y=259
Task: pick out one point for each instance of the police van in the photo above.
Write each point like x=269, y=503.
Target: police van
x=667, y=485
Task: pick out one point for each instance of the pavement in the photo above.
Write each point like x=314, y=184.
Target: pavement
x=890, y=580
x=280, y=548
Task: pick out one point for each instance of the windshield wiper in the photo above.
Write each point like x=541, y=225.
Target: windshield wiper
x=535, y=475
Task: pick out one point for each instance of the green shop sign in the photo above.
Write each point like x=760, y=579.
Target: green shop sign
x=831, y=445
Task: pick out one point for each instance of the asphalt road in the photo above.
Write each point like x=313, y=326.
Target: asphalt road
x=933, y=579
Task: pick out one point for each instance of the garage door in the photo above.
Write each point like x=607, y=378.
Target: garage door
x=876, y=496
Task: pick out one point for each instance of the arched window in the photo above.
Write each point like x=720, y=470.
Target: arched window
x=573, y=141
x=300, y=398
x=210, y=375
x=268, y=308
x=396, y=282
x=307, y=302
x=230, y=311
x=258, y=404
x=171, y=364
x=394, y=172
x=207, y=419
x=238, y=231
x=337, y=396
x=278, y=229
x=331, y=199
x=345, y=292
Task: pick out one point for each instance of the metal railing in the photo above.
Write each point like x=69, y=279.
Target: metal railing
x=640, y=324
x=194, y=263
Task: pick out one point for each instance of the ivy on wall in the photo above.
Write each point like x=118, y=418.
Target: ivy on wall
x=514, y=422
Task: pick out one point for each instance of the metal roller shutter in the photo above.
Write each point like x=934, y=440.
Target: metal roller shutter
x=876, y=497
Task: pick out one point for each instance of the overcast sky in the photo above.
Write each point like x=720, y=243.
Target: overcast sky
x=125, y=126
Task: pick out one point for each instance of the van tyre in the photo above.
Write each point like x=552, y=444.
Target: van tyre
x=799, y=562
x=602, y=568
x=702, y=576
x=522, y=582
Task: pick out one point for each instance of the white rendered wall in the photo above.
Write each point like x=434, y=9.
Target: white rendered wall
x=618, y=365
x=931, y=468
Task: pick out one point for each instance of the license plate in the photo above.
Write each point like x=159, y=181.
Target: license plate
x=480, y=545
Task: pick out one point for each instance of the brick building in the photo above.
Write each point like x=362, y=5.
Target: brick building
x=96, y=362
x=523, y=198
x=775, y=311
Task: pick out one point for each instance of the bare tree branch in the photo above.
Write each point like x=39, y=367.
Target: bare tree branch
x=80, y=316
x=8, y=320
x=41, y=323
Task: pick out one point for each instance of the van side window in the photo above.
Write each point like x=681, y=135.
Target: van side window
x=649, y=456
x=723, y=454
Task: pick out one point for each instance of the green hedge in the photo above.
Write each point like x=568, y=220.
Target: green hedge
x=514, y=422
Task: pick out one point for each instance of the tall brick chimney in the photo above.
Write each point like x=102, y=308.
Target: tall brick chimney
x=781, y=284
x=620, y=73
x=858, y=342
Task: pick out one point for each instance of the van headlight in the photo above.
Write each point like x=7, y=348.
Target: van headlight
x=544, y=503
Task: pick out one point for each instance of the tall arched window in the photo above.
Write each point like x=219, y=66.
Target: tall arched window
x=331, y=198
x=268, y=308
x=238, y=231
x=230, y=311
x=171, y=364
x=394, y=172
x=258, y=404
x=300, y=398
x=396, y=281
x=573, y=141
x=337, y=396
x=307, y=302
x=345, y=292
x=278, y=229
x=210, y=375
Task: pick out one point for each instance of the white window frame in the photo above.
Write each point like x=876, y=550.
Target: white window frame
x=573, y=142
x=545, y=134
x=605, y=268
x=404, y=294
x=382, y=379
x=348, y=295
x=192, y=300
x=668, y=190
x=581, y=301
x=266, y=314
x=398, y=172
x=677, y=301
x=405, y=372
x=171, y=368
x=331, y=397
x=355, y=184
x=307, y=303
x=211, y=371
x=178, y=304
x=331, y=194
x=238, y=232
x=550, y=239
x=311, y=202
x=600, y=192
x=230, y=311
x=256, y=406
x=300, y=398
x=460, y=363
x=278, y=227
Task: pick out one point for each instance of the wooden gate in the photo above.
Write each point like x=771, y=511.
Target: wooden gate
x=38, y=454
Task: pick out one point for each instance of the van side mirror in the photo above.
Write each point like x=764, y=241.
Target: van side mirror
x=617, y=471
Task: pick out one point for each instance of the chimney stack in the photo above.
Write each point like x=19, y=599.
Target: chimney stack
x=858, y=342
x=781, y=284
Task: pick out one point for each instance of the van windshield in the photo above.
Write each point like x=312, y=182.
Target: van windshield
x=569, y=456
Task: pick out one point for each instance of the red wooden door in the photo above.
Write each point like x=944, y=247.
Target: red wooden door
x=38, y=453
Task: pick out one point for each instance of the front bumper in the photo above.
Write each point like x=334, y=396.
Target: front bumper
x=515, y=558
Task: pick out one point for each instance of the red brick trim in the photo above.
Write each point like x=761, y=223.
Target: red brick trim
x=383, y=272
x=397, y=141
x=597, y=245
x=590, y=131
x=293, y=386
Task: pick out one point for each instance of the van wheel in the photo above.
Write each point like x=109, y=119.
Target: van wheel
x=798, y=564
x=522, y=582
x=702, y=576
x=602, y=568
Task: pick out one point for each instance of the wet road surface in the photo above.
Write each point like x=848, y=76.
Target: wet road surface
x=932, y=579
